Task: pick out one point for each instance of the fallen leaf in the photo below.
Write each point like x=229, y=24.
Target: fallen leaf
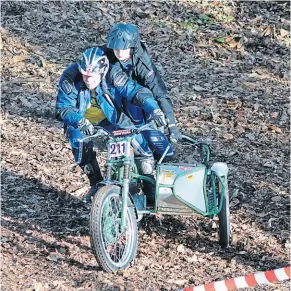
x=18, y=59
x=240, y=43
x=275, y=114
x=228, y=136
x=54, y=258
x=240, y=129
x=80, y=191
x=276, y=198
x=233, y=104
x=181, y=248
x=234, y=202
x=179, y=282
x=232, y=44
x=250, y=136
x=228, y=39
x=192, y=259
x=62, y=250
x=284, y=32
x=256, y=106
x=269, y=164
x=262, y=215
x=198, y=88
x=267, y=31
x=274, y=128
x=190, y=108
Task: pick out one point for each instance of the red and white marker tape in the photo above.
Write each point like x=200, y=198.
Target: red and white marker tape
x=245, y=281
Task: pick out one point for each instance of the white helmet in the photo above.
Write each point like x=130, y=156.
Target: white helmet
x=93, y=61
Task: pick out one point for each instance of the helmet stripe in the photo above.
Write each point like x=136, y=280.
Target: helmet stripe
x=96, y=55
x=91, y=56
x=86, y=61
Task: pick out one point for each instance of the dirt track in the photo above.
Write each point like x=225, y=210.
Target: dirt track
x=234, y=94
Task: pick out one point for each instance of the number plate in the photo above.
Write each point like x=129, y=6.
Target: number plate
x=117, y=149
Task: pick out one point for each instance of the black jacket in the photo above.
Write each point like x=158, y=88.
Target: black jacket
x=147, y=75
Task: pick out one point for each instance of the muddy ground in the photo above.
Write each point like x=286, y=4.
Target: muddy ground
x=226, y=67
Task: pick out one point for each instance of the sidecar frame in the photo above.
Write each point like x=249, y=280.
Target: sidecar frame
x=179, y=206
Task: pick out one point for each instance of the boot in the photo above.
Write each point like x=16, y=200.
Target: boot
x=94, y=175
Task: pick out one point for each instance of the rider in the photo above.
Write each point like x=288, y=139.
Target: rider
x=94, y=96
x=125, y=49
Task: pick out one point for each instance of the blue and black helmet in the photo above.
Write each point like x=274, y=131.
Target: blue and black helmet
x=123, y=36
x=93, y=61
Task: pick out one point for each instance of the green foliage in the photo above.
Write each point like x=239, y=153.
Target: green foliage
x=206, y=19
x=224, y=18
x=159, y=24
x=220, y=39
x=190, y=25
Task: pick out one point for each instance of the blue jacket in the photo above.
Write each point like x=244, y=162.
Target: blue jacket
x=74, y=97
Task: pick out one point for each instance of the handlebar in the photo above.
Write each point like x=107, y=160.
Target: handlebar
x=98, y=130
x=203, y=147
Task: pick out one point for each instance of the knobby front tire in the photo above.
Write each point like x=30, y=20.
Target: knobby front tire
x=112, y=249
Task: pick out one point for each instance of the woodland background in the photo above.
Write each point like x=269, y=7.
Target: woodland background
x=227, y=68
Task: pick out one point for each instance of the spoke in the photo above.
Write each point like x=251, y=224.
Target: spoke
x=122, y=247
x=120, y=250
x=121, y=244
x=114, y=254
x=115, y=244
x=109, y=249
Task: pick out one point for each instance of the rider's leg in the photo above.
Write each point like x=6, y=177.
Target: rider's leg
x=145, y=163
x=158, y=142
x=89, y=163
x=85, y=157
x=92, y=170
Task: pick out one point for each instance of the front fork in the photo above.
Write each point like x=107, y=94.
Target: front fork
x=125, y=187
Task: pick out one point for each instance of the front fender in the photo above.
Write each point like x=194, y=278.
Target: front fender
x=221, y=169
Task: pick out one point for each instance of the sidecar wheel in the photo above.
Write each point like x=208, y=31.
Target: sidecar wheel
x=114, y=250
x=224, y=216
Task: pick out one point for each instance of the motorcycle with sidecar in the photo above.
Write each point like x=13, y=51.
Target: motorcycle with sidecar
x=180, y=189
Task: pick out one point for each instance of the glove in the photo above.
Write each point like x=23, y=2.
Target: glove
x=175, y=134
x=159, y=118
x=85, y=126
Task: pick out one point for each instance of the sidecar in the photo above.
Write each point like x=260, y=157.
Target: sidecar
x=187, y=189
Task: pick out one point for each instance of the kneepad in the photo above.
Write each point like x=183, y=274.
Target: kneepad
x=145, y=165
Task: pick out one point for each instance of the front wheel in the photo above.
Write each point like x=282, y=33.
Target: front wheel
x=224, y=216
x=114, y=250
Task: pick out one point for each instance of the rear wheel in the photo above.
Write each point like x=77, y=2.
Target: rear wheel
x=114, y=250
x=224, y=216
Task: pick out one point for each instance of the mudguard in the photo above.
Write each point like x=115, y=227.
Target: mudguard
x=220, y=169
